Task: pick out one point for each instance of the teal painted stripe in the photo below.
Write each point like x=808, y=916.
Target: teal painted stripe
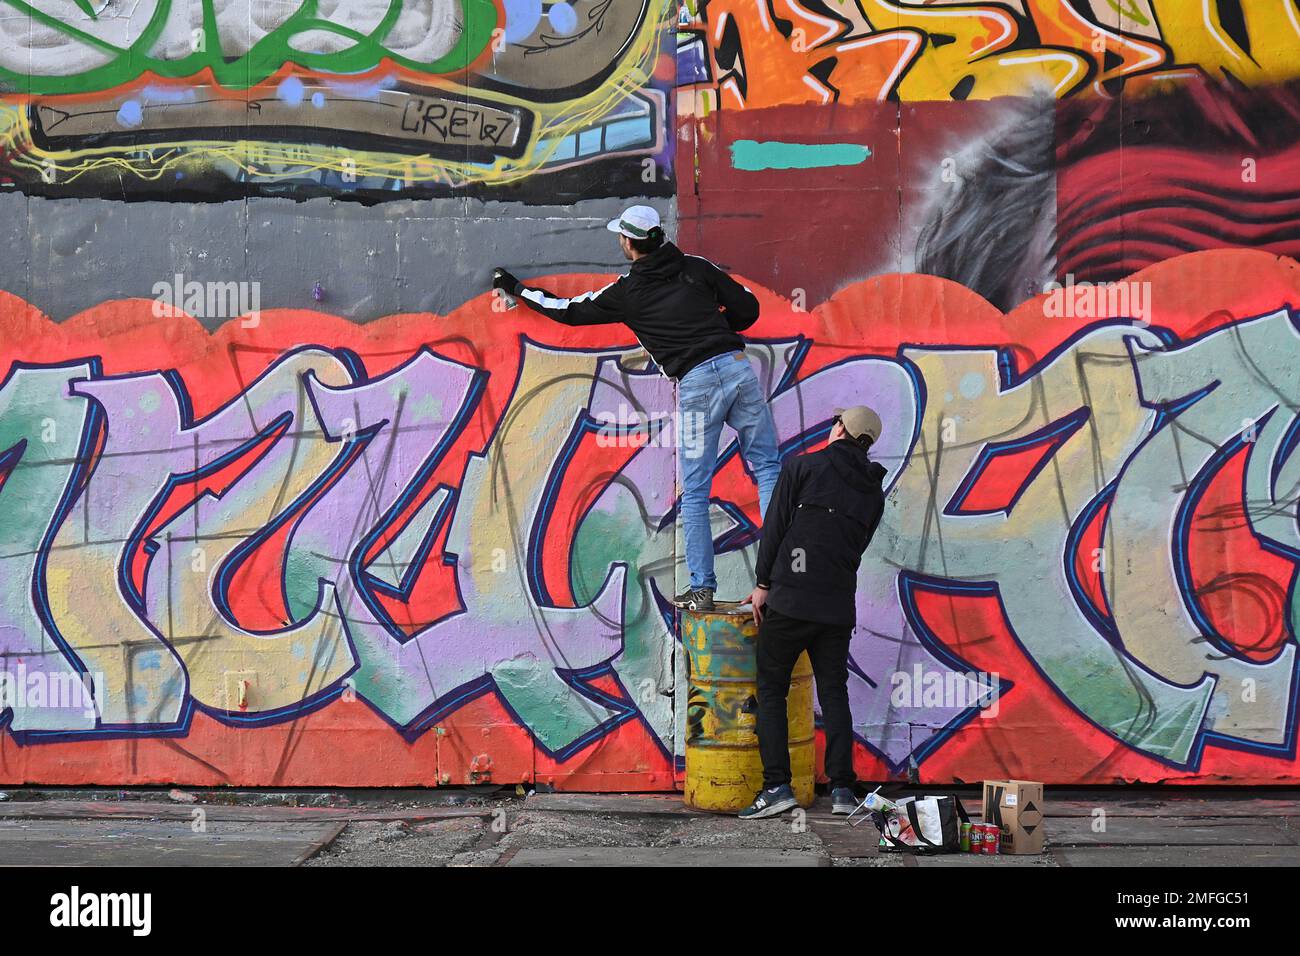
x=751, y=155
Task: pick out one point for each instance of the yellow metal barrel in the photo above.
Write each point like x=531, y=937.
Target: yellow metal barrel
x=723, y=768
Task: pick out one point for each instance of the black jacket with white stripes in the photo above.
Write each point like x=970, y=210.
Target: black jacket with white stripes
x=683, y=309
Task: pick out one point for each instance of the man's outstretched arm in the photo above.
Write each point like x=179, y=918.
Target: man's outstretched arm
x=601, y=307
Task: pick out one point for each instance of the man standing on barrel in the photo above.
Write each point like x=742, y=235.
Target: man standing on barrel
x=821, y=518
x=688, y=314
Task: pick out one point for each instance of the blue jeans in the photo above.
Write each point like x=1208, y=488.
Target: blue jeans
x=721, y=390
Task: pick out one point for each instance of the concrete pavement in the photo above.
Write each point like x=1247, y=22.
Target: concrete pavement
x=498, y=827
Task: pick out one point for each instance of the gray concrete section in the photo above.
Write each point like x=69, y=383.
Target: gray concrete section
x=142, y=810
x=1154, y=831
x=496, y=828
x=397, y=843
x=16, y=261
x=66, y=255
x=560, y=829
x=160, y=843
x=1191, y=804
x=1152, y=856
x=846, y=841
x=633, y=803
x=674, y=856
x=979, y=860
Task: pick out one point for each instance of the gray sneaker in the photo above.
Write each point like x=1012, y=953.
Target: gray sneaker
x=843, y=801
x=769, y=803
x=695, y=599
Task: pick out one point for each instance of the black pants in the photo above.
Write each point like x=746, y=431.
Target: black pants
x=781, y=639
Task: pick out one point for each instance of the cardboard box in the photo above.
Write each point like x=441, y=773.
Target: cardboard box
x=1016, y=806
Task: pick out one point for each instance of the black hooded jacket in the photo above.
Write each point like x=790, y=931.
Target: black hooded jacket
x=683, y=309
x=822, y=516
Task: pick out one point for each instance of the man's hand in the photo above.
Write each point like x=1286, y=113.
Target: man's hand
x=758, y=598
x=504, y=280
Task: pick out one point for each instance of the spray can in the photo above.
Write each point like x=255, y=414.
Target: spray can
x=506, y=298
x=873, y=801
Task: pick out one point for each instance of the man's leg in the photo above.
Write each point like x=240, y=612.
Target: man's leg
x=700, y=411
x=780, y=642
x=750, y=416
x=829, y=653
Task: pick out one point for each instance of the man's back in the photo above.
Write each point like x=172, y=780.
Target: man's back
x=823, y=514
x=687, y=313
x=683, y=309
x=675, y=306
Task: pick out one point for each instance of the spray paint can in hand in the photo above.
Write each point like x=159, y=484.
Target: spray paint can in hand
x=506, y=298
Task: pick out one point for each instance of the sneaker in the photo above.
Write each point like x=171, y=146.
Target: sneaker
x=770, y=802
x=695, y=599
x=843, y=801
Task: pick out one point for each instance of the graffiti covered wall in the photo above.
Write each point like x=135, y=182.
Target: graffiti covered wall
x=177, y=99
x=292, y=501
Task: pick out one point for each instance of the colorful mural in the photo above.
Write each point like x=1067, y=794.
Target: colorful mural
x=743, y=54
x=1004, y=185
x=369, y=99
x=411, y=532
x=275, y=516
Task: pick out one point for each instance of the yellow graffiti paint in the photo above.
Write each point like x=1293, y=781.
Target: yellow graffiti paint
x=981, y=54
x=1197, y=35
x=723, y=768
x=269, y=161
x=948, y=49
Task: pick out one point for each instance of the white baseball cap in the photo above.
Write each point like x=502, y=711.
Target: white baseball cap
x=636, y=222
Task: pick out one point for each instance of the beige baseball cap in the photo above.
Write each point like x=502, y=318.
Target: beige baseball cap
x=860, y=421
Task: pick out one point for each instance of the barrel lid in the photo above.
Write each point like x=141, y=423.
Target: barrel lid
x=730, y=608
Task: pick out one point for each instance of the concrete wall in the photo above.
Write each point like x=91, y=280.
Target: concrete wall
x=301, y=504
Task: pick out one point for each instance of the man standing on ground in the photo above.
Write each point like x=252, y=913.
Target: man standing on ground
x=687, y=313
x=824, y=512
